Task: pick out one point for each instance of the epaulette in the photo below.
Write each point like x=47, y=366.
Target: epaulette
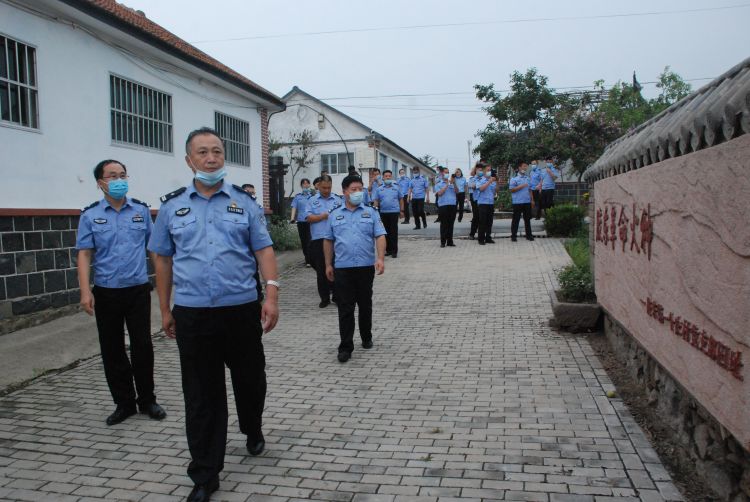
x=139, y=202
x=93, y=204
x=237, y=187
x=172, y=195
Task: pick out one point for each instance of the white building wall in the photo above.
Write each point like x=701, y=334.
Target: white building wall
x=52, y=167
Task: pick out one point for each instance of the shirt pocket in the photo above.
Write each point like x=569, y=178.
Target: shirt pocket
x=235, y=227
x=183, y=225
x=103, y=235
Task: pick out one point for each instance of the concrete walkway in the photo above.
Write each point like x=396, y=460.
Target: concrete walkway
x=467, y=395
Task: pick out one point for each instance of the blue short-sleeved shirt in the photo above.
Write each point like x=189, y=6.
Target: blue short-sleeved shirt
x=522, y=196
x=461, y=184
x=488, y=195
x=548, y=182
x=536, y=177
x=353, y=232
x=389, y=198
x=118, y=240
x=418, y=187
x=319, y=205
x=299, y=202
x=212, y=244
x=449, y=196
x=403, y=185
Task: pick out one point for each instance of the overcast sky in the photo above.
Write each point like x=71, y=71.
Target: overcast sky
x=491, y=40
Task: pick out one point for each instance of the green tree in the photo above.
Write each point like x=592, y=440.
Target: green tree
x=673, y=88
x=428, y=160
x=301, y=152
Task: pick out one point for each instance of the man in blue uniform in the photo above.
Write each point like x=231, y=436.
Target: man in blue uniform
x=403, y=185
x=486, y=186
x=417, y=194
x=316, y=214
x=387, y=199
x=461, y=183
x=299, y=207
x=477, y=172
x=209, y=239
x=549, y=175
x=445, y=194
x=520, y=194
x=375, y=182
x=353, y=232
x=112, y=234
x=536, y=188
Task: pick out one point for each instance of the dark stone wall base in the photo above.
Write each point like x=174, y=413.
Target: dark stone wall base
x=719, y=458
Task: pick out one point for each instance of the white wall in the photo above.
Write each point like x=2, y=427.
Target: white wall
x=52, y=167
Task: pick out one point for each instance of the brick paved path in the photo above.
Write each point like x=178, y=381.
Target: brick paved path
x=467, y=395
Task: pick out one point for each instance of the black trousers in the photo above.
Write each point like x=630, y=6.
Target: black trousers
x=303, y=229
x=537, y=202
x=406, y=208
x=548, y=198
x=486, y=219
x=417, y=207
x=474, y=216
x=437, y=198
x=447, y=218
x=518, y=210
x=116, y=308
x=354, y=287
x=208, y=339
x=460, y=199
x=390, y=222
x=318, y=260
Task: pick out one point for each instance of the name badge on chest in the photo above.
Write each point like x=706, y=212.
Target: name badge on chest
x=182, y=211
x=235, y=210
x=138, y=219
x=340, y=217
x=366, y=215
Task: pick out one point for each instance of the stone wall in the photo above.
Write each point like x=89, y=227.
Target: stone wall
x=718, y=456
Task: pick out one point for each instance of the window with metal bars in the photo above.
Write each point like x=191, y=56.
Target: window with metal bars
x=19, y=102
x=140, y=115
x=236, y=136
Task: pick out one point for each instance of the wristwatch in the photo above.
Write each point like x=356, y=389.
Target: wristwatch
x=271, y=282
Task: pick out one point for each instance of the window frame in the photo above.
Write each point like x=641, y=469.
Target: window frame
x=339, y=169
x=27, y=89
x=142, y=126
x=237, y=127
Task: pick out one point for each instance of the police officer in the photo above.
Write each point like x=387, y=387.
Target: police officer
x=353, y=231
x=549, y=175
x=403, y=187
x=316, y=215
x=486, y=186
x=442, y=173
x=445, y=194
x=473, y=195
x=112, y=234
x=520, y=192
x=299, y=207
x=460, y=192
x=536, y=188
x=375, y=183
x=388, y=201
x=206, y=239
x=417, y=194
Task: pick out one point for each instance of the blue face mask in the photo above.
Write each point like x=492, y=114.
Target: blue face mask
x=356, y=198
x=549, y=164
x=305, y=191
x=117, y=189
x=389, y=182
x=480, y=174
x=210, y=179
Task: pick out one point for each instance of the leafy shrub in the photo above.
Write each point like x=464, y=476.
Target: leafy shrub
x=283, y=235
x=576, y=284
x=503, y=201
x=578, y=249
x=565, y=220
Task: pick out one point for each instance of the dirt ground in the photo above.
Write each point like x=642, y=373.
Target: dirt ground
x=675, y=459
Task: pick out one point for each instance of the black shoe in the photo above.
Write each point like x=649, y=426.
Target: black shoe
x=335, y=300
x=425, y=224
x=394, y=256
x=437, y=221
x=417, y=228
x=537, y=218
x=471, y=237
x=530, y=238
x=120, y=414
x=388, y=254
x=256, y=445
x=451, y=245
x=442, y=244
x=154, y=411
x=367, y=344
x=344, y=356
x=324, y=303
x=481, y=243
x=202, y=493
x=489, y=241
x=513, y=239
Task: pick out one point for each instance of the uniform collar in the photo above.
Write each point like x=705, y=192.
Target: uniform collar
x=106, y=204
x=191, y=190
x=361, y=206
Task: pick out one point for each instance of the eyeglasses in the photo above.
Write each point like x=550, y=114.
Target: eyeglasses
x=122, y=176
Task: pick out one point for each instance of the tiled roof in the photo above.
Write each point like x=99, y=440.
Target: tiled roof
x=717, y=112
x=138, y=25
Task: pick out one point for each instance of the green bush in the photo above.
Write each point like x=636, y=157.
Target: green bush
x=503, y=201
x=283, y=235
x=576, y=284
x=578, y=249
x=565, y=220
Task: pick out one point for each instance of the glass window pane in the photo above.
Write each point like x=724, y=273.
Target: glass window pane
x=21, y=49
x=14, y=101
x=32, y=65
x=12, y=73
x=23, y=106
x=4, y=101
x=3, y=58
x=34, y=110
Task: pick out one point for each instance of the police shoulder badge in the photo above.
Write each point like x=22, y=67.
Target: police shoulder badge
x=100, y=221
x=182, y=211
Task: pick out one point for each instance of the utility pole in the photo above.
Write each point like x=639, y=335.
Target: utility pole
x=469, y=145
